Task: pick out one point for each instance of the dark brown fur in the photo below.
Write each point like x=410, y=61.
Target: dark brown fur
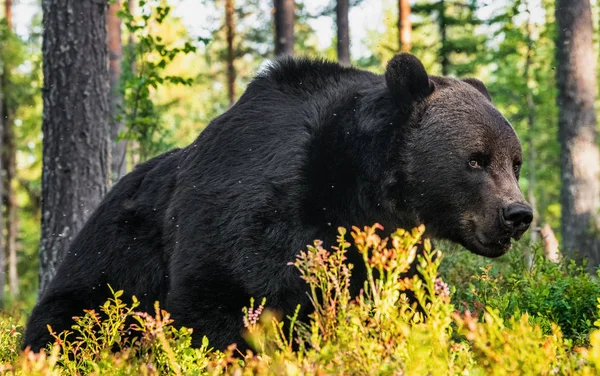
x=310, y=146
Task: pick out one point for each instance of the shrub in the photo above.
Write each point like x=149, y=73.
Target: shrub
x=564, y=293
x=11, y=336
x=379, y=332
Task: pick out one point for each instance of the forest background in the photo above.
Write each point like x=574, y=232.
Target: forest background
x=175, y=65
x=158, y=71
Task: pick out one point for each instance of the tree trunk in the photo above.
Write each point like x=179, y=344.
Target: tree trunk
x=2, y=249
x=580, y=159
x=284, y=27
x=9, y=161
x=8, y=12
x=530, y=145
x=75, y=125
x=134, y=146
x=343, y=32
x=404, y=26
x=12, y=227
x=9, y=158
x=550, y=244
x=444, y=38
x=115, y=56
x=230, y=26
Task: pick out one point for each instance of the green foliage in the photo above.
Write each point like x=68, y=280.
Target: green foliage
x=444, y=37
x=143, y=73
x=20, y=59
x=458, y=45
x=305, y=38
x=252, y=43
x=11, y=335
x=100, y=343
x=379, y=332
x=563, y=294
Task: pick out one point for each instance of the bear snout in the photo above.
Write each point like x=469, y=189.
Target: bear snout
x=516, y=218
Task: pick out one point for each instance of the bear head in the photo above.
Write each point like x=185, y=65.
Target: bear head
x=460, y=160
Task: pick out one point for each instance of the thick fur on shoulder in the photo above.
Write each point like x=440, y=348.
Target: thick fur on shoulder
x=302, y=71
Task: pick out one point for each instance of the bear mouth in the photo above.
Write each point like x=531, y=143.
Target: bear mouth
x=492, y=248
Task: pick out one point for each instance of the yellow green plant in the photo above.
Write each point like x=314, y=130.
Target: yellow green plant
x=399, y=324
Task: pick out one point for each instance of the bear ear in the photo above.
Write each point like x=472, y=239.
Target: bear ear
x=406, y=78
x=479, y=86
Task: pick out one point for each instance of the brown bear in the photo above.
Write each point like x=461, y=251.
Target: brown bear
x=310, y=146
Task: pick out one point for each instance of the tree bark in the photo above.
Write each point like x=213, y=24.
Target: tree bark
x=530, y=145
x=580, y=159
x=12, y=221
x=284, y=27
x=117, y=125
x=444, y=38
x=550, y=244
x=404, y=26
x=2, y=248
x=343, y=32
x=134, y=147
x=75, y=125
x=8, y=14
x=9, y=161
x=230, y=26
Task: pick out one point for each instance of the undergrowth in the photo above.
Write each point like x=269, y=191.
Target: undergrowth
x=551, y=293
x=491, y=322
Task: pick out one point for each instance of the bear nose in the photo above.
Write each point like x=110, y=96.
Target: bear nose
x=517, y=216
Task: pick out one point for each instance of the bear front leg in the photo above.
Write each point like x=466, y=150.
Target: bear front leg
x=209, y=301
x=221, y=323
x=56, y=310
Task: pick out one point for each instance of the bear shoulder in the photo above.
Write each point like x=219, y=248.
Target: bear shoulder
x=308, y=75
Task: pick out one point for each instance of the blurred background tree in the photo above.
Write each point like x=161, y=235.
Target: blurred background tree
x=577, y=127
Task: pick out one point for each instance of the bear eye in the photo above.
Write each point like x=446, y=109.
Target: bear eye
x=474, y=163
x=517, y=168
x=479, y=160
